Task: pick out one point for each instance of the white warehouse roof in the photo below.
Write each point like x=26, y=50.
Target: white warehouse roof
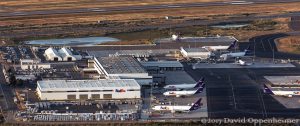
x=52, y=53
x=284, y=80
x=117, y=65
x=65, y=52
x=62, y=54
x=74, y=85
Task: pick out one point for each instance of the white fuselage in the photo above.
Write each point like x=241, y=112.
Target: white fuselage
x=215, y=48
x=179, y=93
x=237, y=54
x=171, y=108
x=180, y=86
x=232, y=55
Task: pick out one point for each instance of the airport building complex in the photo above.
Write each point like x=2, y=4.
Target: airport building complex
x=123, y=68
x=283, y=81
x=284, y=85
x=88, y=89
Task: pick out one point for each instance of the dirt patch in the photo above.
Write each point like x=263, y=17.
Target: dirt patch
x=257, y=27
x=289, y=44
x=146, y=36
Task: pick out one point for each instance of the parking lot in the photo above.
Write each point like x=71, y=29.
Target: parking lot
x=86, y=117
x=80, y=111
x=14, y=53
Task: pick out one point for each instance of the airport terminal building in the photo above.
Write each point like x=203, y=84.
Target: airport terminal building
x=123, y=67
x=88, y=89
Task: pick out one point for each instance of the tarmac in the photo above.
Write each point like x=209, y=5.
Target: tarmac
x=180, y=77
x=290, y=103
x=235, y=93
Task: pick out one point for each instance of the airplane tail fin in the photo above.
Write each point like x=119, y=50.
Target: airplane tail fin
x=267, y=90
x=248, y=51
x=199, y=82
x=196, y=105
x=232, y=45
x=200, y=89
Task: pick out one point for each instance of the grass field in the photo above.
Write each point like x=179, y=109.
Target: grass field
x=289, y=44
x=258, y=27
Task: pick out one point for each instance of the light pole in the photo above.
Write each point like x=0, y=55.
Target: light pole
x=273, y=55
x=167, y=18
x=254, y=51
x=27, y=97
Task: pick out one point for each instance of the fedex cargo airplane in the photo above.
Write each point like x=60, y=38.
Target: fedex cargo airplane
x=288, y=92
x=236, y=54
x=184, y=86
x=219, y=48
x=178, y=108
x=185, y=93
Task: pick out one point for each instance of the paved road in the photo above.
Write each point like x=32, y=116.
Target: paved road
x=237, y=93
x=7, y=92
x=140, y=8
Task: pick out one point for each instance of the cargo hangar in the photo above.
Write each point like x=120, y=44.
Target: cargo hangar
x=88, y=89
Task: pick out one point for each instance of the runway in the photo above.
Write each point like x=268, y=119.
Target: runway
x=137, y=8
